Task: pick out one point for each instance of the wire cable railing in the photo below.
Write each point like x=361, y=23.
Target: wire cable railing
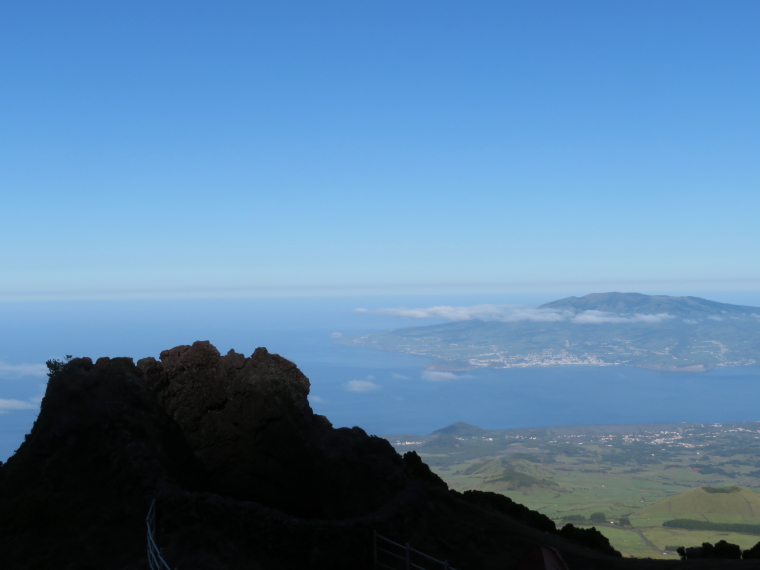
x=404, y=558
x=155, y=559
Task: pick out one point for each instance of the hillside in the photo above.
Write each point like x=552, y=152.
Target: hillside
x=243, y=475
x=462, y=429
x=646, y=474
x=699, y=503
x=600, y=329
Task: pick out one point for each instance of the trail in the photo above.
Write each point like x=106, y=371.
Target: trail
x=646, y=540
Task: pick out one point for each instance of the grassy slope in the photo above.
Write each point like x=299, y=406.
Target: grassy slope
x=588, y=478
x=741, y=505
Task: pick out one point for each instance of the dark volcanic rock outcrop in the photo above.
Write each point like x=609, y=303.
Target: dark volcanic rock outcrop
x=243, y=475
x=77, y=489
x=249, y=423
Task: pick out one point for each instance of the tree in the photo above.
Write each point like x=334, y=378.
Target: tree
x=725, y=549
x=722, y=549
x=55, y=366
x=753, y=552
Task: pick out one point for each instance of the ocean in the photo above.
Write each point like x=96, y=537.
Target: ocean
x=384, y=393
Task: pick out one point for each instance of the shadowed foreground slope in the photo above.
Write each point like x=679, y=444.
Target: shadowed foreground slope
x=244, y=475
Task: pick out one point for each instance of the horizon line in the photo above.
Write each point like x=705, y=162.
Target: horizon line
x=651, y=287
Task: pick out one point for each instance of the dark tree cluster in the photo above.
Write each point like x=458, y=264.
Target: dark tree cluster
x=589, y=537
x=721, y=549
x=691, y=524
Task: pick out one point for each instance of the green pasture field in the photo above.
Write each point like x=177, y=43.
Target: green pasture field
x=664, y=536
x=629, y=542
x=616, y=470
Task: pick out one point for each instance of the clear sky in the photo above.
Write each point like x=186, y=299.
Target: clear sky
x=184, y=148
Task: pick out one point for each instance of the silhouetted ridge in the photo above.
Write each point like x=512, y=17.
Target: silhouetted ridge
x=76, y=491
x=243, y=473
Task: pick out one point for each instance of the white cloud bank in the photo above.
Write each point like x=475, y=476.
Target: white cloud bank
x=18, y=370
x=597, y=317
x=12, y=405
x=502, y=313
x=435, y=376
x=515, y=313
x=361, y=386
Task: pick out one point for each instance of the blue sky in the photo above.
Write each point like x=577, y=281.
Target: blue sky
x=206, y=149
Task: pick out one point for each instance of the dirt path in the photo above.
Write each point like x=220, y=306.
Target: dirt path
x=646, y=540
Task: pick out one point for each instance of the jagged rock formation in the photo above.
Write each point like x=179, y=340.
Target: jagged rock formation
x=77, y=488
x=243, y=473
x=249, y=423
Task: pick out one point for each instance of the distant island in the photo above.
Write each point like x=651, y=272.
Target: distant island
x=601, y=329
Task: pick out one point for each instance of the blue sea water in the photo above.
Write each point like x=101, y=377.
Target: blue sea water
x=396, y=396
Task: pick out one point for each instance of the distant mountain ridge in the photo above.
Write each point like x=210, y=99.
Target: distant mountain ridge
x=638, y=303
x=600, y=329
x=462, y=429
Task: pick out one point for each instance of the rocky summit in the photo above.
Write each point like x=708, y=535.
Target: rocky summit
x=249, y=424
x=242, y=474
